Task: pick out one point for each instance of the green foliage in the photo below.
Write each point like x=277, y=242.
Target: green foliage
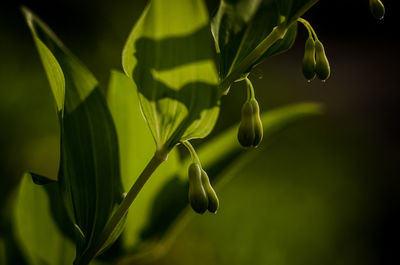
x=37, y=232
x=170, y=93
x=89, y=174
x=170, y=58
x=247, y=32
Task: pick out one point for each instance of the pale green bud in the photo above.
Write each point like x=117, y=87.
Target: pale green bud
x=197, y=195
x=377, y=8
x=246, y=132
x=213, y=201
x=322, y=68
x=308, y=65
x=257, y=123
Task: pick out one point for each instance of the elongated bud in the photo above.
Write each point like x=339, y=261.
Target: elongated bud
x=197, y=195
x=377, y=8
x=246, y=132
x=213, y=202
x=308, y=65
x=257, y=123
x=322, y=68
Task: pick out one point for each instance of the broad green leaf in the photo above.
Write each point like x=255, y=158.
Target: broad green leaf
x=38, y=234
x=136, y=150
x=216, y=156
x=240, y=26
x=89, y=174
x=169, y=56
x=52, y=68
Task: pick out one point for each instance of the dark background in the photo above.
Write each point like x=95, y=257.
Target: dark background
x=325, y=191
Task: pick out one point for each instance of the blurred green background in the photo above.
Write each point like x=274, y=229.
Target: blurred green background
x=324, y=191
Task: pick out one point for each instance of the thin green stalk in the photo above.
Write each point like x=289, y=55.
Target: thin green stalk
x=91, y=252
x=308, y=26
x=193, y=155
x=250, y=89
x=276, y=34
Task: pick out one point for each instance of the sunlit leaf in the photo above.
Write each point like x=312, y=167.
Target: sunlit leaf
x=136, y=150
x=40, y=238
x=216, y=156
x=169, y=56
x=89, y=177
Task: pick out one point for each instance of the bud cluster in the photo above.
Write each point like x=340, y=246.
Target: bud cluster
x=202, y=196
x=315, y=62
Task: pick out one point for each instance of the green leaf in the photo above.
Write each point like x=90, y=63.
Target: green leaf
x=136, y=150
x=10, y=249
x=89, y=174
x=217, y=155
x=41, y=240
x=169, y=56
x=240, y=26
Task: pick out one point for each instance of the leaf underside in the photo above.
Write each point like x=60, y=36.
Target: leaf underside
x=169, y=55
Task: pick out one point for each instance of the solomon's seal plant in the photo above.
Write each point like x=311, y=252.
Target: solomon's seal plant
x=169, y=94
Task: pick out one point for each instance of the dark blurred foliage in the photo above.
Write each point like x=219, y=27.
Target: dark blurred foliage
x=326, y=191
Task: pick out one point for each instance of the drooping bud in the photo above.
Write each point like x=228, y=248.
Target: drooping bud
x=246, y=132
x=377, y=8
x=308, y=65
x=197, y=195
x=213, y=202
x=257, y=123
x=322, y=68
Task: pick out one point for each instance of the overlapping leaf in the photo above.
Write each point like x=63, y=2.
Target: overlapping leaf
x=169, y=56
x=89, y=174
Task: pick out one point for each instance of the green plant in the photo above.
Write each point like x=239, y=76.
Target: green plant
x=105, y=146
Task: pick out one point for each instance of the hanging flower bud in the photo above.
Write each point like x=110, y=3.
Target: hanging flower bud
x=308, y=65
x=250, y=129
x=197, y=195
x=246, y=132
x=257, y=123
x=377, y=8
x=213, y=201
x=322, y=68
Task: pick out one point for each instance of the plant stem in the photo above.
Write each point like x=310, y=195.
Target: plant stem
x=91, y=252
x=310, y=29
x=250, y=89
x=193, y=155
x=276, y=34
